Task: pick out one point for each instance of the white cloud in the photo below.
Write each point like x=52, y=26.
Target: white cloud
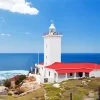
x=27, y=33
x=8, y=35
x=19, y=6
x=2, y=34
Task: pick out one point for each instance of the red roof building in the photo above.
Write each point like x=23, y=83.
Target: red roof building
x=73, y=67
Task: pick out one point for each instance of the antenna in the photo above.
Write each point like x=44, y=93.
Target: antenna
x=38, y=57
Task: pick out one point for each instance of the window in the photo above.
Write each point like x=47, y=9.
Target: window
x=49, y=73
x=71, y=74
x=46, y=57
x=46, y=46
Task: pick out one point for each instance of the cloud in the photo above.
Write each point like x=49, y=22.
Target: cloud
x=27, y=33
x=19, y=6
x=8, y=35
x=2, y=34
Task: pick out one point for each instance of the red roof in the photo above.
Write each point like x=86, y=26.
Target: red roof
x=42, y=63
x=14, y=78
x=73, y=67
x=72, y=71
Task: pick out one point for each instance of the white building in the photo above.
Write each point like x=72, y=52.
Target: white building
x=52, y=70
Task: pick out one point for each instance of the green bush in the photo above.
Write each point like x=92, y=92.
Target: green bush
x=7, y=83
x=20, y=79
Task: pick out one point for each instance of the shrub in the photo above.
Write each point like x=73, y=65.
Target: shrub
x=17, y=82
x=20, y=79
x=7, y=83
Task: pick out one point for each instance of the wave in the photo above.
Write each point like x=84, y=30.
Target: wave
x=9, y=74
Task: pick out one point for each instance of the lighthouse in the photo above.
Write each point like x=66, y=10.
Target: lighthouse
x=53, y=70
x=52, y=46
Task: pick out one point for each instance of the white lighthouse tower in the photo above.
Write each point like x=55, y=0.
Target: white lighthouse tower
x=52, y=46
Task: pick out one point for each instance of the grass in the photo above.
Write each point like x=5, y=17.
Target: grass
x=78, y=92
x=63, y=93
x=38, y=94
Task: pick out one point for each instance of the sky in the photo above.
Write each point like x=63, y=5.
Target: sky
x=23, y=22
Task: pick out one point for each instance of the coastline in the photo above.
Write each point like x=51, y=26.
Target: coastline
x=9, y=74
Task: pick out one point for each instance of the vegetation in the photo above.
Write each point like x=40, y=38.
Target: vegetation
x=38, y=94
x=7, y=83
x=80, y=88
x=20, y=79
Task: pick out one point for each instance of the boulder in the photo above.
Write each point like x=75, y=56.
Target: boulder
x=56, y=85
x=29, y=86
x=3, y=90
x=89, y=80
x=10, y=93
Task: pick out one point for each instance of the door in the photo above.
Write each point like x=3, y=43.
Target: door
x=55, y=77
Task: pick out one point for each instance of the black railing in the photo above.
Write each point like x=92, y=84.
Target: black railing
x=55, y=33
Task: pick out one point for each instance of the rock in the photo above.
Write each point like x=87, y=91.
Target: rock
x=10, y=93
x=91, y=94
x=56, y=85
x=29, y=86
x=83, y=81
x=89, y=80
x=33, y=98
x=3, y=90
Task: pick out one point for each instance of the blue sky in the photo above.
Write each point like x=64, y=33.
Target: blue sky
x=22, y=26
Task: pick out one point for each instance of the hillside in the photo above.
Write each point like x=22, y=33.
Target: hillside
x=82, y=89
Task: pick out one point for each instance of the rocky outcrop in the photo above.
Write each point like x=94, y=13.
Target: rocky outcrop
x=29, y=86
x=3, y=90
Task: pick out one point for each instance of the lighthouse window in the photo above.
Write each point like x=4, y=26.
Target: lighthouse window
x=46, y=46
x=46, y=57
x=49, y=73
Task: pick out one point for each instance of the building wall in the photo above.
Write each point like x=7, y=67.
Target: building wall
x=95, y=73
x=41, y=69
x=52, y=49
x=68, y=75
x=62, y=77
x=50, y=74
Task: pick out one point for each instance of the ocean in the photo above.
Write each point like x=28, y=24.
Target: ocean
x=20, y=63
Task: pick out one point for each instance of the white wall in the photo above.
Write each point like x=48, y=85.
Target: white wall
x=62, y=77
x=95, y=73
x=52, y=49
x=41, y=69
x=52, y=77
x=51, y=73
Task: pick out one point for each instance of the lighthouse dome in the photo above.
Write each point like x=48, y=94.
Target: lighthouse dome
x=52, y=29
x=52, y=26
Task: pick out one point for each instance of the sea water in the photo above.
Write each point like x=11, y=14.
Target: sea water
x=12, y=64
